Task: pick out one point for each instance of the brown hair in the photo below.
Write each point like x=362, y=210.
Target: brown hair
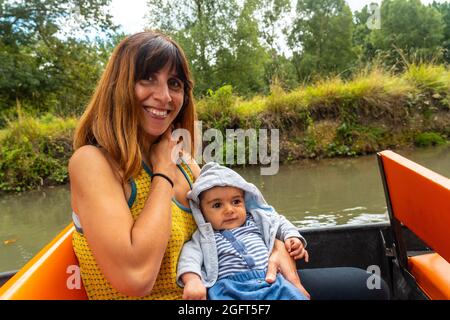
x=111, y=119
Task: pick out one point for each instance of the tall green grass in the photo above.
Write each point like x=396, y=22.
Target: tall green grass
x=432, y=78
x=376, y=88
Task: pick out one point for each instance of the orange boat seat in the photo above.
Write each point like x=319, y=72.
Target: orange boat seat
x=432, y=273
x=53, y=274
x=419, y=199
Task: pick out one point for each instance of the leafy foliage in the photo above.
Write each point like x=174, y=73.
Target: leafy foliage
x=411, y=27
x=321, y=37
x=35, y=152
x=44, y=65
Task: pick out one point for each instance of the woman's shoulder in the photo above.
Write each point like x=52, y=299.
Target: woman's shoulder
x=86, y=154
x=90, y=159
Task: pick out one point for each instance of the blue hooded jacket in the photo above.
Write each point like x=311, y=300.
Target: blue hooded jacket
x=199, y=255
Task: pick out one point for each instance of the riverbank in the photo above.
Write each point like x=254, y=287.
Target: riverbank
x=372, y=111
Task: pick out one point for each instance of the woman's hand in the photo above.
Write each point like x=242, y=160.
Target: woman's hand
x=280, y=260
x=161, y=155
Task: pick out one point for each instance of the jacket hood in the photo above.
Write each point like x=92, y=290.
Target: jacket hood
x=212, y=175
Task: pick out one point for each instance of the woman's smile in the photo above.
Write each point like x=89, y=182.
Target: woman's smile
x=157, y=113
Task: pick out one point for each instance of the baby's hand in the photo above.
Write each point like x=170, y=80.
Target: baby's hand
x=194, y=289
x=296, y=248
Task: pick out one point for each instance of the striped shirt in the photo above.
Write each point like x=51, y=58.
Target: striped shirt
x=230, y=260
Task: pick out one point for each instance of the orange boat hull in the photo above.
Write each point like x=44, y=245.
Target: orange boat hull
x=53, y=274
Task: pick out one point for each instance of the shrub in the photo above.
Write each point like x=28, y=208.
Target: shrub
x=426, y=139
x=35, y=152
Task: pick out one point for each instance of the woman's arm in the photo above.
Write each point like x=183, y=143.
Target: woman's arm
x=128, y=252
x=280, y=260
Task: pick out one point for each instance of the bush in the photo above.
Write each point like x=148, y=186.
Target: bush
x=427, y=139
x=35, y=152
x=217, y=109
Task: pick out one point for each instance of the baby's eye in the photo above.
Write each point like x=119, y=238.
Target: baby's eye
x=237, y=201
x=175, y=84
x=216, y=205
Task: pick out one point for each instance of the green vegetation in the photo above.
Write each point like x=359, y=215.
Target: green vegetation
x=52, y=52
x=371, y=111
x=321, y=37
x=46, y=64
x=35, y=152
x=426, y=139
x=238, y=42
x=343, y=90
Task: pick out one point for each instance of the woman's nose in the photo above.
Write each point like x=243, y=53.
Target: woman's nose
x=162, y=93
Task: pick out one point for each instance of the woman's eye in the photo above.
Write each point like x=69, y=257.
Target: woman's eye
x=151, y=79
x=175, y=84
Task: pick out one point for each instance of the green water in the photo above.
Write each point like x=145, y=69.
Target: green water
x=310, y=194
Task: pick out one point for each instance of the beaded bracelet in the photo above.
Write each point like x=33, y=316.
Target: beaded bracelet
x=164, y=176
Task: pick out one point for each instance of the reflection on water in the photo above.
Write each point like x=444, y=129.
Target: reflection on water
x=337, y=191
x=310, y=194
x=325, y=193
x=29, y=221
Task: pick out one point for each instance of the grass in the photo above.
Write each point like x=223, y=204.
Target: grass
x=426, y=139
x=433, y=78
x=375, y=88
x=250, y=108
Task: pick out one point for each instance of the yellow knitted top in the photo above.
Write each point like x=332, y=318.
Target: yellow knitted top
x=183, y=226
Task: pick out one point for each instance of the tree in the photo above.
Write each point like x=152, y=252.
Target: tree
x=242, y=63
x=444, y=10
x=409, y=26
x=271, y=15
x=321, y=37
x=220, y=39
x=201, y=27
x=43, y=66
x=361, y=35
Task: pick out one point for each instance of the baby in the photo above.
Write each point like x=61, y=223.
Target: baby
x=229, y=252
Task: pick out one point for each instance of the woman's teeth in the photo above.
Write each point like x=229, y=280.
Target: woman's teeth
x=156, y=112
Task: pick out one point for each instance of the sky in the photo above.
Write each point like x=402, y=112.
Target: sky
x=130, y=14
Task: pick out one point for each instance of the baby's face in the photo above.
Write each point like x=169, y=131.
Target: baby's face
x=223, y=207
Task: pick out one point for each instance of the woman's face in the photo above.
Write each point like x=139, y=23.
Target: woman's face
x=161, y=98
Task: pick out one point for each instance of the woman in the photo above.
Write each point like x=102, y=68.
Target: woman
x=128, y=196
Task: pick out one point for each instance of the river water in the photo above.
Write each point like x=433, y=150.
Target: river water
x=310, y=194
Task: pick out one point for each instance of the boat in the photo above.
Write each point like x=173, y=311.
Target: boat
x=411, y=251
